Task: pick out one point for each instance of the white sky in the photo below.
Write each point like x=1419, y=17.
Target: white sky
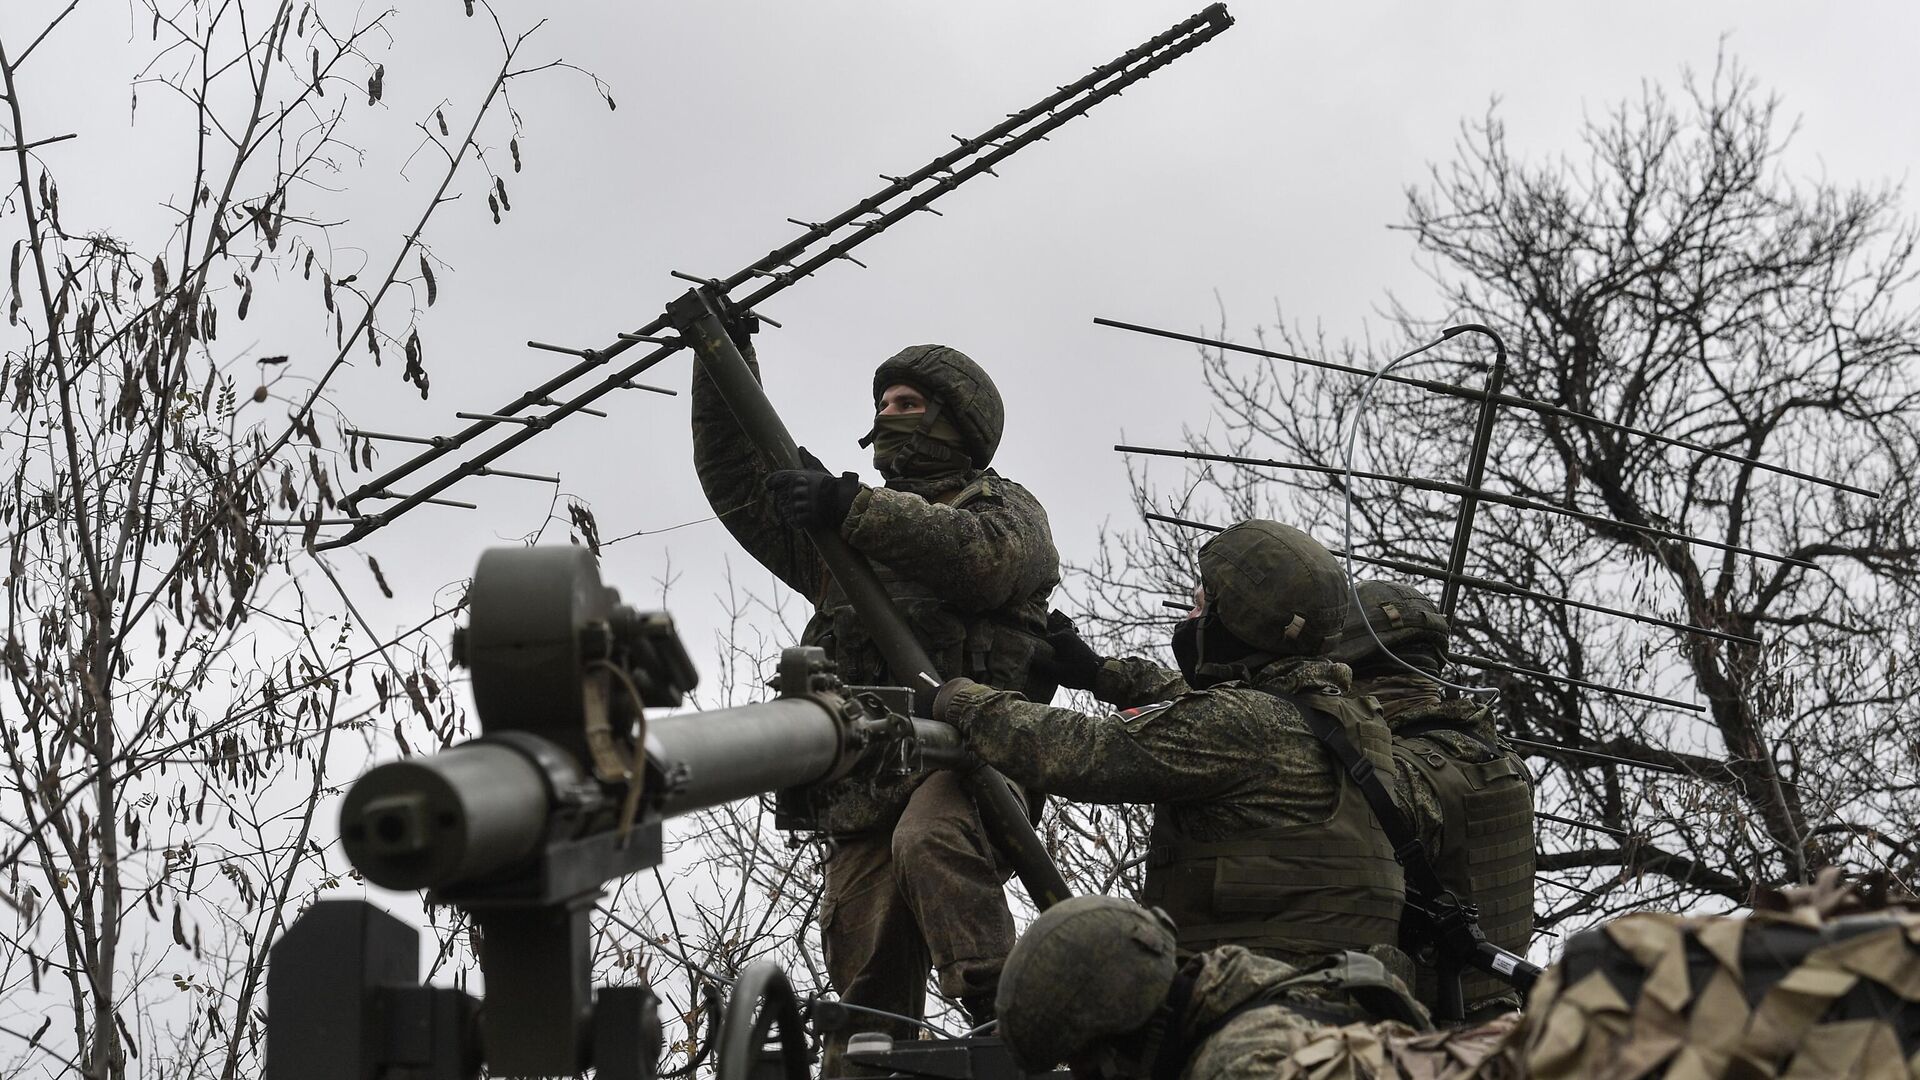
x=1265, y=167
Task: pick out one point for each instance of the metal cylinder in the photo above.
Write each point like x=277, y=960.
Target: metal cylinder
x=709, y=758
x=940, y=745
x=455, y=816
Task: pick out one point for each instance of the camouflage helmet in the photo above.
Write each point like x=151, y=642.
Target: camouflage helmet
x=966, y=395
x=1089, y=968
x=1274, y=587
x=1403, y=617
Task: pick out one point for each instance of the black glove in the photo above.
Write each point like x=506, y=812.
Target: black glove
x=740, y=323
x=1074, y=665
x=812, y=497
x=943, y=697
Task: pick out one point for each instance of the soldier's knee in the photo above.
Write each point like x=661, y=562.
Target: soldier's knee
x=921, y=844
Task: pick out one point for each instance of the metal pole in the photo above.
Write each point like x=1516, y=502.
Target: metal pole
x=1476, y=466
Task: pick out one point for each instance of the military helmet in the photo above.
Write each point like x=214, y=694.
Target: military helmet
x=1402, y=617
x=966, y=395
x=1274, y=587
x=1089, y=968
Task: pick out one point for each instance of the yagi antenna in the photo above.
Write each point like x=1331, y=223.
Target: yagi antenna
x=1440, y=574
x=1498, y=497
x=820, y=244
x=1528, y=404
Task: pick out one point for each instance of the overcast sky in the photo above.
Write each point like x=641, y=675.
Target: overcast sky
x=1261, y=172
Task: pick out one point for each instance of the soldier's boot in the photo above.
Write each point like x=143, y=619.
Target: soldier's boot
x=979, y=1009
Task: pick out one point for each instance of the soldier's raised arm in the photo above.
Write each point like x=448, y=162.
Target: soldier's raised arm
x=733, y=474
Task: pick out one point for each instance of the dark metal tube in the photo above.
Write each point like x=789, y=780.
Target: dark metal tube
x=794, y=742
x=940, y=745
x=456, y=815
x=1476, y=467
x=1529, y=404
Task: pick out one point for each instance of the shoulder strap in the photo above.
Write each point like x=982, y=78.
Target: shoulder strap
x=1408, y=851
x=1454, y=925
x=1170, y=1057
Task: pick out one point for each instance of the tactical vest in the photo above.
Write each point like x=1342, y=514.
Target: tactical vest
x=991, y=647
x=1301, y=891
x=1487, y=849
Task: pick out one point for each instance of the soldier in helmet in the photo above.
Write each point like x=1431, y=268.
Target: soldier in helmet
x=1100, y=984
x=1260, y=837
x=1467, y=792
x=969, y=559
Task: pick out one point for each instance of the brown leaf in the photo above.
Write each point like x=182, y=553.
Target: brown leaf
x=379, y=578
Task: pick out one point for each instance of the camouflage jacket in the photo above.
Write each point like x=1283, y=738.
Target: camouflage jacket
x=1222, y=761
x=1132, y=681
x=972, y=580
x=1256, y=1043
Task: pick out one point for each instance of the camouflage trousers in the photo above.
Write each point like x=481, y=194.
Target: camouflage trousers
x=928, y=895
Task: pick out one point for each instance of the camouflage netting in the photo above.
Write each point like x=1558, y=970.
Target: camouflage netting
x=1390, y=1051
x=1791, y=993
x=1813, y=986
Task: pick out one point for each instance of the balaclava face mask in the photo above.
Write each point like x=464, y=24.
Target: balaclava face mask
x=1208, y=653
x=917, y=446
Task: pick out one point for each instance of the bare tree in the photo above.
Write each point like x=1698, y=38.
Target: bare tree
x=179, y=671
x=1679, y=279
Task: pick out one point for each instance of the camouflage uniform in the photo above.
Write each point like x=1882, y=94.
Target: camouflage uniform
x=1261, y=1040
x=970, y=561
x=1251, y=1018
x=1099, y=984
x=1469, y=797
x=1129, y=682
x=1234, y=766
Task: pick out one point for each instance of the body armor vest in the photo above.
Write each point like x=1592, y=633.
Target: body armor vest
x=991, y=647
x=1487, y=854
x=1295, y=891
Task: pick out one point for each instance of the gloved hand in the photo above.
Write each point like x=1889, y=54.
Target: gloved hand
x=1074, y=665
x=943, y=697
x=740, y=323
x=812, y=497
